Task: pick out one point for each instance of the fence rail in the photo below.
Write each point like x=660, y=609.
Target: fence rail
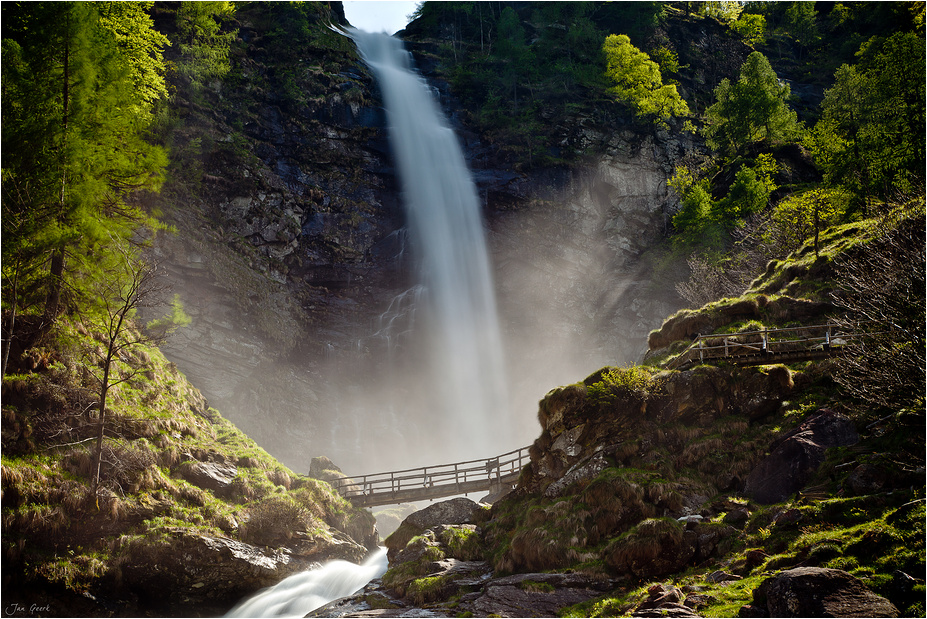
x=433, y=481
x=766, y=346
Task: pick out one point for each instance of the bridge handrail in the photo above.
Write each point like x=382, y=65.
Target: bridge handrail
x=451, y=474
x=729, y=342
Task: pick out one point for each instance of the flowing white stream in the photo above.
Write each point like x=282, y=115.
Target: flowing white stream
x=302, y=593
x=465, y=366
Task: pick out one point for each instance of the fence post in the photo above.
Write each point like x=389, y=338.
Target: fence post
x=701, y=355
x=765, y=341
x=725, y=347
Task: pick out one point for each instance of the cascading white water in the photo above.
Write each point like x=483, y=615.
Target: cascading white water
x=302, y=593
x=443, y=212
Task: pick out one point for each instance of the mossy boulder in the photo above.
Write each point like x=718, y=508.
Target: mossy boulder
x=655, y=547
x=460, y=510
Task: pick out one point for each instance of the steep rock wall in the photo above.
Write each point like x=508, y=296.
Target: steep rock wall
x=290, y=249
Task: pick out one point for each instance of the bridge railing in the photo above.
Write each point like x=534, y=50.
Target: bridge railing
x=706, y=348
x=449, y=475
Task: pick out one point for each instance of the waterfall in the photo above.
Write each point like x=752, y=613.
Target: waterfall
x=299, y=594
x=464, y=363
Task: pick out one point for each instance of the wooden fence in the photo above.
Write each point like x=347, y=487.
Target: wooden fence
x=430, y=482
x=766, y=346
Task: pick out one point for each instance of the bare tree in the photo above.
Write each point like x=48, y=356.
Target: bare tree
x=131, y=285
x=881, y=290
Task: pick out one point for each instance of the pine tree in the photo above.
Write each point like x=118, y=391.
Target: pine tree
x=753, y=109
x=80, y=80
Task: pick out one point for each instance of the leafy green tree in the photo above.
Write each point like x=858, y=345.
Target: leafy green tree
x=693, y=222
x=801, y=22
x=751, y=27
x=870, y=138
x=804, y=215
x=635, y=79
x=204, y=47
x=752, y=110
x=79, y=83
x=749, y=193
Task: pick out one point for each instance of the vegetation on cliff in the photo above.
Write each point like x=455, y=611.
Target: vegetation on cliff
x=173, y=470
x=120, y=484
x=646, y=477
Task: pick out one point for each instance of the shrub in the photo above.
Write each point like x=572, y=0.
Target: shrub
x=273, y=519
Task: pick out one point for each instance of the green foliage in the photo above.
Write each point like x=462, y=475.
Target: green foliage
x=748, y=194
x=204, y=47
x=726, y=11
x=611, y=385
x=751, y=110
x=800, y=20
x=636, y=80
x=751, y=28
x=802, y=215
x=869, y=137
x=79, y=84
x=693, y=222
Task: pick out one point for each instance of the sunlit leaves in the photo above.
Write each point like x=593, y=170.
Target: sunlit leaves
x=636, y=79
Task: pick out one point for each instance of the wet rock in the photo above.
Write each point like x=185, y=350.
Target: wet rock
x=579, y=472
x=868, y=479
x=663, y=601
x=819, y=592
x=455, y=511
x=721, y=576
x=189, y=568
x=755, y=557
x=696, y=601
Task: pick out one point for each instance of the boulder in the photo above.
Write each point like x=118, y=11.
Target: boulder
x=795, y=457
x=320, y=465
x=215, y=476
x=819, y=592
x=454, y=511
x=655, y=547
x=190, y=568
x=460, y=510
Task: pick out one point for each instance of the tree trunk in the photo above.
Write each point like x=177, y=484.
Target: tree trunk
x=98, y=450
x=56, y=275
x=8, y=343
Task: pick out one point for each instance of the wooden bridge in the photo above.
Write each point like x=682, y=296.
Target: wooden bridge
x=766, y=347
x=432, y=482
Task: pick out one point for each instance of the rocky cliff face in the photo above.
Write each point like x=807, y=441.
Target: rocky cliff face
x=290, y=250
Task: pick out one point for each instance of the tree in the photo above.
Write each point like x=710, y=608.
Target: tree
x=751, y=110
x=749, y=193
x=635, y=79
x=131, y=284
x=751, y=27
x=882, y=297
x=870, y=135
x=79, y=84
x=803, y=215
x=801, y=22
x=204, y=48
